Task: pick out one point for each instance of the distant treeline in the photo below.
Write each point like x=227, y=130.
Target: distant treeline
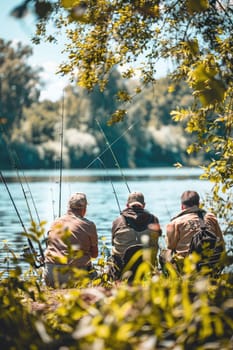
x=147, y=136
x=31, y=131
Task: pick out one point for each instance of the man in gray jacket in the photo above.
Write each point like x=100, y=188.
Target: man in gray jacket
x=134, y=227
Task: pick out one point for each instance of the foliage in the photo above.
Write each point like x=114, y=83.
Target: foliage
x=223, y=210
x=19, y=86
x=189, y=312
x=19, y=89
x=18, y=324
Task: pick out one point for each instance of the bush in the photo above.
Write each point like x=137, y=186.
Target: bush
x=158, y=312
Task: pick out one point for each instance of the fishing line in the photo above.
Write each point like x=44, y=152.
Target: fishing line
x=113, y=188
x=114, y=157
x=29, y=190
x=113, y=143
x=23, y=190
x=61, y=152
x=53, y=202
x=14, y=158
x=20, y=181
x=23, y=226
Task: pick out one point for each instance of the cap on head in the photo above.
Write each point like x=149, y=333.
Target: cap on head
x=190, y=198
x=136, y=198
x=77, y=201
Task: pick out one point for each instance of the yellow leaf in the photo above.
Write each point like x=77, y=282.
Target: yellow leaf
x=123, y=332
x=103, y=331
x=213, y=93
x=68, y=3
x=197, y=5
x=171, y=88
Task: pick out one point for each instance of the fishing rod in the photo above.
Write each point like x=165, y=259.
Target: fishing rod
x=29, y=191
x=32, y=249
x=114, y=157
x=61, y=152
x=113, y=188
x=105, y=249
x=30, y=213
x=53, y=202
x=14, y=158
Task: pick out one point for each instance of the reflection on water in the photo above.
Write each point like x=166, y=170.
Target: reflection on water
x=38, y=195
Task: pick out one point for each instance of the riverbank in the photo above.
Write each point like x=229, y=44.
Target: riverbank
x=156, y=314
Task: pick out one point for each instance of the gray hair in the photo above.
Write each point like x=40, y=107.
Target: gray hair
x=77, y=201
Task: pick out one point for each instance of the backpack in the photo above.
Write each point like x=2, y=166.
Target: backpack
x=204, y=243
x=132, y=259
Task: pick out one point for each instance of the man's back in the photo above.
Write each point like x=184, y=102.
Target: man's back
x=72, y=242
x=79, y=233
x=185, y=225
x=129, y=228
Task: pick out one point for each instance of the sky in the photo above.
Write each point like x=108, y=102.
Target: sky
x=46, y=55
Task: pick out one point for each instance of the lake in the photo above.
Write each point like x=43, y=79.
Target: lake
x=37, y=194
